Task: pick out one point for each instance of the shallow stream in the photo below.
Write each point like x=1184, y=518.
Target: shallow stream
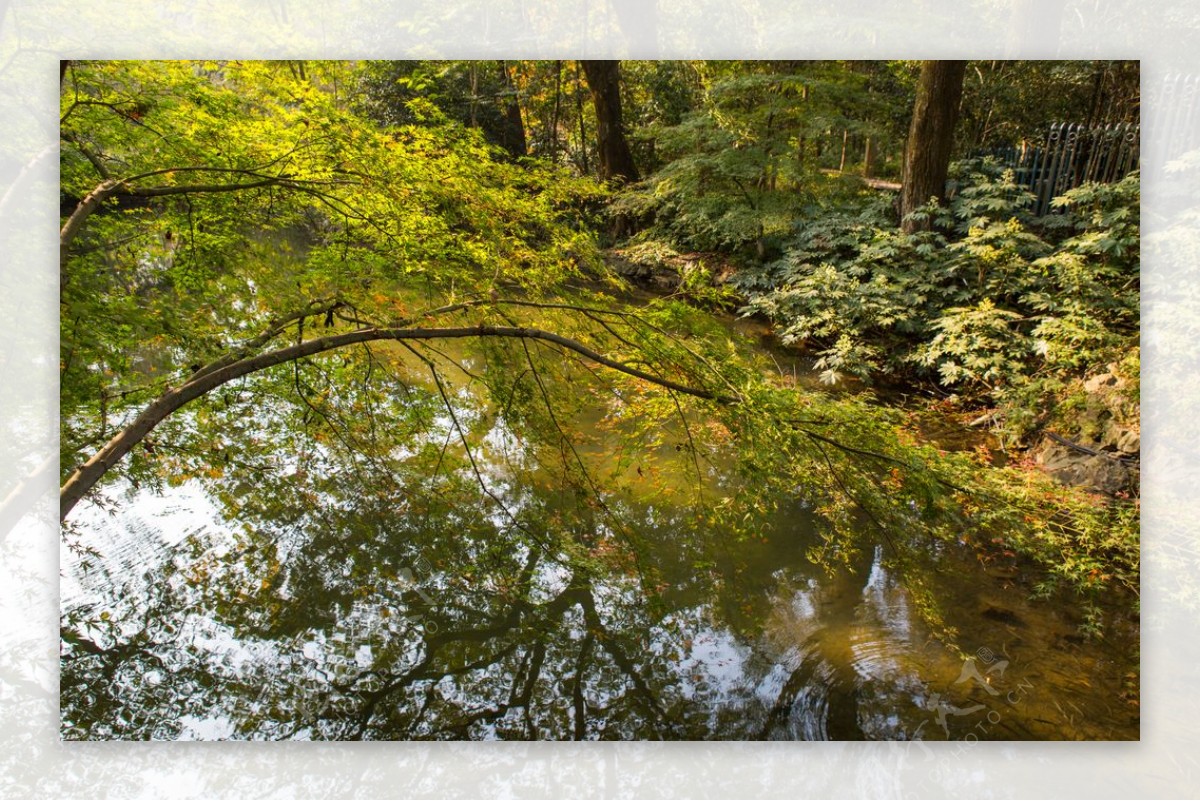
x=334, y=600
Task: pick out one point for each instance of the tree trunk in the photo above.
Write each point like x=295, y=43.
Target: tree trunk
x=514, y=129
x=473, y=104
x=554, y=117
x=582, y=126
x=616, y=160
x=869, y=159
x=930, y=137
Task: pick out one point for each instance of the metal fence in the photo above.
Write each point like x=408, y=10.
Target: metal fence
x=1073, y=154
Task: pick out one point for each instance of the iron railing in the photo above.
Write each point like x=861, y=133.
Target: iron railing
x=1073, y=154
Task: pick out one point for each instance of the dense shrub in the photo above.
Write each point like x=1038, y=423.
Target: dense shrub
x=989, y=302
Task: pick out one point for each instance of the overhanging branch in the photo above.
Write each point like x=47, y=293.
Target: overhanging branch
x=204, y=381
x=124, y=186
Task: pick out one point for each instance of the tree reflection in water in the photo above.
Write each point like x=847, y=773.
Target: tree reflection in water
x=385, y=583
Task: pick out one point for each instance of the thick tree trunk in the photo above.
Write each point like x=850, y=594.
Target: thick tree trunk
x=616, y=160
x=514, y=129
x=930, y=137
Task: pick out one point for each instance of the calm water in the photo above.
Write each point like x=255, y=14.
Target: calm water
x=336, y=598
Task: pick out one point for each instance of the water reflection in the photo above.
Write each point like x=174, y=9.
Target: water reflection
x=414, y=590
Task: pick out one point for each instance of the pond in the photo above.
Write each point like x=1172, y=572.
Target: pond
x=298, y=587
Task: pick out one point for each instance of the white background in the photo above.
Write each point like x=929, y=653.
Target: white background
x=1164, y=34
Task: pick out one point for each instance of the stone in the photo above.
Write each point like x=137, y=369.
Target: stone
x=1099, y=383
x=1122, y=439
x=1101, y=473
x=1005, y=616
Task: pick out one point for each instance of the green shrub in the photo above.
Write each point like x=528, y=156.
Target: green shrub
x=990, y=302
